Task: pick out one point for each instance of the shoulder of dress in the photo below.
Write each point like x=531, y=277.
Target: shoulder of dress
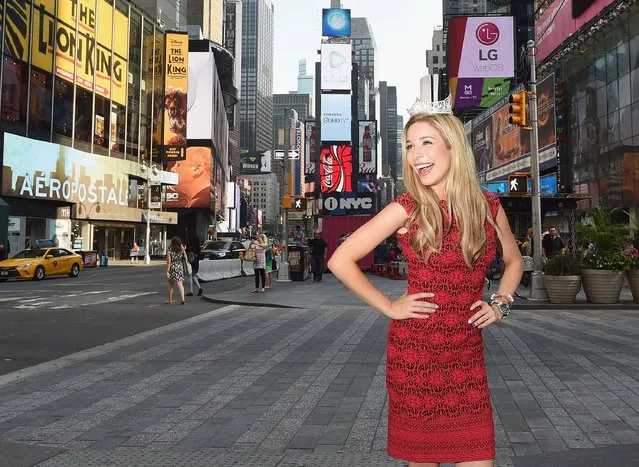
x=407, y=201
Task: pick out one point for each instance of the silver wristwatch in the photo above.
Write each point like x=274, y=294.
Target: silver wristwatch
x=503, y=307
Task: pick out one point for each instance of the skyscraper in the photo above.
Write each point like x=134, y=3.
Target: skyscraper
x=388, y=128
x=365, y=50
x=256, y=112
x=170, y=16
x=305, y=82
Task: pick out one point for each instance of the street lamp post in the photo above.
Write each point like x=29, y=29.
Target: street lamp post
x=147, y=243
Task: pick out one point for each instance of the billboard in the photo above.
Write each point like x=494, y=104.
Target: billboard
x=343, y=204
x=367, y=137
x=71, y=176
x=562, y=19
x=252, y=163
x=310, y=148
x=337, y=64
x=481, y=59
x=501, y=149
x=336, y=169
x=336, y=117
x=200, y=96
x=80, y=33
x=195, y=180
x=336, y=22
x=176, y=81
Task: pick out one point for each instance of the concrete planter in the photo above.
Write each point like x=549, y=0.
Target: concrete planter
x=633, y=282
x=562, y=289
x=602, y=286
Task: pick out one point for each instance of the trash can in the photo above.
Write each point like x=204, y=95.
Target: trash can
x=104, y=260
x=297, y=262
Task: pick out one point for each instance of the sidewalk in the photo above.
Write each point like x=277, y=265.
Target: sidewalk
x=251, y=385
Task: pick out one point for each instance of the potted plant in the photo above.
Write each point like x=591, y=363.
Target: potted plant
x=603, y=271
x=563, y=278
x=632, y=273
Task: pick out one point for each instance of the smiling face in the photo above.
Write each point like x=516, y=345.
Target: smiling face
x=429, y=156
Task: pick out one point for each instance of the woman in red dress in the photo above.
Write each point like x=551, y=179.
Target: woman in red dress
x=448, y=229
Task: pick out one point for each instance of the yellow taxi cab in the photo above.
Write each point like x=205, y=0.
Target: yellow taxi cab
x=38, y=263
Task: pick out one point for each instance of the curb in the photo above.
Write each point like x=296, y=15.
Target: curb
x=243, y=303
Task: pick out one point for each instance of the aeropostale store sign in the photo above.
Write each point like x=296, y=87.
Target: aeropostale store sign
x=61, y=173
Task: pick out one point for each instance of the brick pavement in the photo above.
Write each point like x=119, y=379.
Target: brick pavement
x=293, y=387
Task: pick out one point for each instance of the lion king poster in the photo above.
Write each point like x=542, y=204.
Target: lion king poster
x=175, y=96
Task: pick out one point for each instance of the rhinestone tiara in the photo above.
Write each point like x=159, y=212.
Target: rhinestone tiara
x=437, y=107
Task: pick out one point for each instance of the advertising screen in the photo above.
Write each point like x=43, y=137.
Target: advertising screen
x=310, y=148
x=367, y=147
x=176, y=83
x=336, y=169
x=85, y=47
x=200, y=96
x=481, y=59
x=337, y=64
x=195, y=180
x=501, y=149
x=336, y=22
x=255, y=162
x=336, y=117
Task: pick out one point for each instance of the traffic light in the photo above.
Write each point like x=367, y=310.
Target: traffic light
x=517, y=109
x=299, y=204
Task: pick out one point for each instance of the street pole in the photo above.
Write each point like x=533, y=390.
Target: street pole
x=283, y=274
x=538, y=290
x=147, y=246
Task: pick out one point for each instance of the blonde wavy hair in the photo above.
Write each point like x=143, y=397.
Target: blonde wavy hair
x=465, y=199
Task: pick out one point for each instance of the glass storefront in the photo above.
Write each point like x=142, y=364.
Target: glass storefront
x=602, y=115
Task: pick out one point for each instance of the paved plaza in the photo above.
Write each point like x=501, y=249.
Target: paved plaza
x=276, y=386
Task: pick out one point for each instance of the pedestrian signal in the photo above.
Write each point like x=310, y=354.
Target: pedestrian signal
x=517, y=109
x=518, y=184
x=299, y=204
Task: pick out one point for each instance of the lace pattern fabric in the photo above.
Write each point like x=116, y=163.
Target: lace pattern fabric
x=439, y=402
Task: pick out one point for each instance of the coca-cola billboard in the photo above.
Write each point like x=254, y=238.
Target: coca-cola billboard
x=336, y=169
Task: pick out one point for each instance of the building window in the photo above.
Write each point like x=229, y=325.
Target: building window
x=101, y=130
x=435, y=59
x=40, y=100
x=15, y=82
x=63, y=108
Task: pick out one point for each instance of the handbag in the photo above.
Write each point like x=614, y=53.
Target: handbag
x=188, y=270
x=250, y=255
x=191, y=257
x=274, y=265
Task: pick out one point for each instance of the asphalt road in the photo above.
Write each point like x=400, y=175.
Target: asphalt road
x=42, y=321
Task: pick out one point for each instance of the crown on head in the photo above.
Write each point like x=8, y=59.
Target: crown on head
x=437, y=107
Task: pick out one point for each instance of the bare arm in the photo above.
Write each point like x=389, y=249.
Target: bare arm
x=168, y=261
x=513, y=270
x=513, y=264
x=343, y=265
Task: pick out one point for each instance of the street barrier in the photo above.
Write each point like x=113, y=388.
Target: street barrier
x=216, y=269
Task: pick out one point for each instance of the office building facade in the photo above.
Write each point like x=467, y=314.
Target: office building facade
x=74, y=140
x=305, y=82
x=209, y=15
x=388, y=128
x=256, y=108
x=365, y=50
x=265, y=196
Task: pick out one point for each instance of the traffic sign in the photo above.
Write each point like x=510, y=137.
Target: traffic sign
x=518, y=184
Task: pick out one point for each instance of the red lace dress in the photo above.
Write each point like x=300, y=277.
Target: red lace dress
x=439, y=404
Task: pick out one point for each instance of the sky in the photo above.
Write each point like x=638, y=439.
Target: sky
x=402, y=31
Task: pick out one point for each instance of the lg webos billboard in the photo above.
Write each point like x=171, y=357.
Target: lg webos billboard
x=481, y=59
x=336, y=169
x=337, y=64
x=336, y=117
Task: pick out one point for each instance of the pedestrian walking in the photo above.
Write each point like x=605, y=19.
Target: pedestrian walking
x=318, y=255
x=259, y=263
x=193, y=253
x=135, y=251
x=439, y=406
x=175, y=268
x=268, y=264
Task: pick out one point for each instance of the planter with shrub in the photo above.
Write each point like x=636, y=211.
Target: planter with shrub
x=563, y=278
